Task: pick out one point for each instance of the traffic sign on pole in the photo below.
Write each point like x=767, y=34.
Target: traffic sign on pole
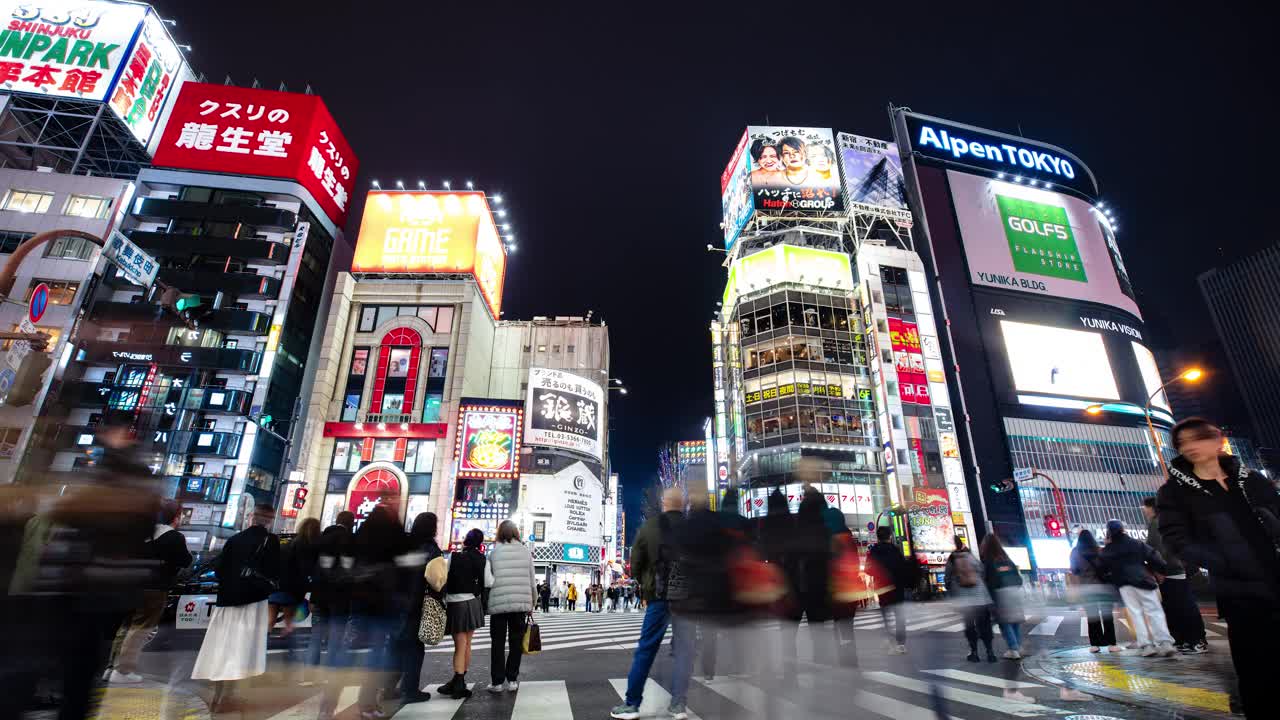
x=38, y=303
x=1022, y=474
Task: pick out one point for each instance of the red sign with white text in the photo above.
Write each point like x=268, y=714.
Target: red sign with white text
x=913, y=381
x=247, y=131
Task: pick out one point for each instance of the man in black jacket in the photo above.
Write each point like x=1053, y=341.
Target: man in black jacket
x=892, y=571
x=1217, y=514
x=168, y=548
x=1130, y=565
x=1180, y=608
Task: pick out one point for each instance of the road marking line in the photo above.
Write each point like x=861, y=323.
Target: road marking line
x=754, y=699
x=968, y=697
x=542, y=700
x=958, y=627
x=927, y=624
x=980, y=679
x=1048, y=627
x=440, y=707
x=1084, y=626
x=655, y=702
x=893, y=707
x=627, y=646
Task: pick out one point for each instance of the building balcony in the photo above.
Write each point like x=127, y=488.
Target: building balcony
x=110, y=353
x=210, y=443
x=163, y=244
x=227, y=320
x=161, y=209
x=241, y=285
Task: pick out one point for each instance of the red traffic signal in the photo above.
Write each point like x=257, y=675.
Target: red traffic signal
x=299, y=498
x=1052, y=526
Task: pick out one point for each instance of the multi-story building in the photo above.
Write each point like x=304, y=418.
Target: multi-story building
x=33, y=202
x=253, y=256
x=1244, y=302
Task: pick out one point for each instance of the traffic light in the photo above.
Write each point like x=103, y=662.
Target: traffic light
x=299, y=498
x=1005, y=485
x=189, y=308
x=1052, y=526
x=28, y=380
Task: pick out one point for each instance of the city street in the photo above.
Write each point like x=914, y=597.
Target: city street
x=582, y=674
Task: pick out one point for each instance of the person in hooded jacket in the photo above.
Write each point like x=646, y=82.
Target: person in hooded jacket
x=1130, y=564
x=1217, y=514
x=423, y=548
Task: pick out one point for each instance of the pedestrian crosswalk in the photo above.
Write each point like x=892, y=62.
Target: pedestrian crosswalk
x=877, y=694
x=600, y=631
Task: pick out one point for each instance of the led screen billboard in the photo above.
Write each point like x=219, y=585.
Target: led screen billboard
x=929, y=517
x=1150, y=375
x=487, y=443
x=735, y=194
x=1036, y=241
x=433, y=232
x=1058, y=361
x=793, y=170
x=873, y=180
x=248, y=131
x=913, y=382
x=565, y=411
x=787, y=263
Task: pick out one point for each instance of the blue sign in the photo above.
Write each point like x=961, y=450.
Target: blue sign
x=576, y=553
x=1015, y=157
x=39, y=302
x=6, y=380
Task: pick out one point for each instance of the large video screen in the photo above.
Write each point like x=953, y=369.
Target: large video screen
x=1037, y=241
x=1058, y=361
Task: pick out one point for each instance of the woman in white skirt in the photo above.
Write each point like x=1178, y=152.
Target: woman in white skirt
x=235, y=644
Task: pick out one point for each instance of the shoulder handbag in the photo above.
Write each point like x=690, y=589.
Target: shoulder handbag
x=532, y=642
x=252, y=577
x=431, y=626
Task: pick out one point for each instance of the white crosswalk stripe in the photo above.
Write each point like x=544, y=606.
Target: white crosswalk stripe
x=967, y=697
x=439, y=708
x=1049, y=626
x=655, y=702
x=542, y=700
x=981, y=679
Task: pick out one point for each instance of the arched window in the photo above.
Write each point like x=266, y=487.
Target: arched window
x=396, y=382
x=365, y=491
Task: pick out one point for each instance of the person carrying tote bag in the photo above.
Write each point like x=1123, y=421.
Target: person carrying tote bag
x=509, y=578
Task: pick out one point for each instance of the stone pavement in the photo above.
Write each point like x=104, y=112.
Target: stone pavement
x=147, y=700
x=1190, y=686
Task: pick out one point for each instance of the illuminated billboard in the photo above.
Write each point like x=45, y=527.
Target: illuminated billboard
x=66, y=48
x=793, y=170
x=248, y=131
x=149, y=78
x=913, y=381
x=565, y=411
x=1036, y=241
x=873, y=179
x=487, y=443
x=735, y=194
x=433, y=232
x=1150, y=375
x=929, y=516
x=787, y=263
x=1058, y=361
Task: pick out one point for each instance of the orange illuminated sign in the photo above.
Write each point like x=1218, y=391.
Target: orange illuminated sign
x=432, y=232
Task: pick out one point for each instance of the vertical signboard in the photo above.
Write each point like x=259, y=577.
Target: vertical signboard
x=149, y=77
x=913, y=382
x=735, y=194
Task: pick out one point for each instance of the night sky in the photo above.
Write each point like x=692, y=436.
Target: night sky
x=606, y=131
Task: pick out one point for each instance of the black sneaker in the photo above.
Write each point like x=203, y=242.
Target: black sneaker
x=1200, y=648
x=1184, y=648
x=972, y=657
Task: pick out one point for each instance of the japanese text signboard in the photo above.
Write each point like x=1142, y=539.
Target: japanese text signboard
x=913, y=382
x=929, y=516
x=433, y=232
x=136, y=265
x=793, y=170
x=487, y=443
x=148, y=79
x=65, y=48
x=565, y=412
x=248, y=131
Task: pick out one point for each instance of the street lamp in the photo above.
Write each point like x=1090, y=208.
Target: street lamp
x=1189, y=375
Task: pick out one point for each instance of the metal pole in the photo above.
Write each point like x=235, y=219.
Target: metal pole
x=1152, y=428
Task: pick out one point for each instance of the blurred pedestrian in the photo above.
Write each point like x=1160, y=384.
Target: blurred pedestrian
x=810, y=555
x=168, y=548
x=967, y=590
x=235, y=643
x=423, y=548
x=508, y=574
x=1005, y=583
x=377, y=603
x=331, y=594
x=893, y=575
x=464, y=610
x=654, y=563
x=1095, y=595
x=1180, y=607
x=1131, y=566
x=544, y=596
x=1215, y=513
x=297, y=565
x=571, y=596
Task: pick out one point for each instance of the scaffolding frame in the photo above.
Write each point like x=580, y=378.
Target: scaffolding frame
x=74, y=137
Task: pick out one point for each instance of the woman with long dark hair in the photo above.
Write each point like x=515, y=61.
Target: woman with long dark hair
x=1005, y=583
x=464, y=611
x=423, y=548
x=1095, y=594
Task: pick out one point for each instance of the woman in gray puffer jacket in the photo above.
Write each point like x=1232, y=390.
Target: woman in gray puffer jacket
x=509, y=577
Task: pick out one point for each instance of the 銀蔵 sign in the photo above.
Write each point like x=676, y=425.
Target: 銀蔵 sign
x=248, y=131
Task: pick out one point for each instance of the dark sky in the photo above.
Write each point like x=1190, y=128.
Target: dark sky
x=606, y=130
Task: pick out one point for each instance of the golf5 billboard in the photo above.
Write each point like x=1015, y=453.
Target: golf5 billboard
x=1040, y=242
x=433, y=232
x=793, y=170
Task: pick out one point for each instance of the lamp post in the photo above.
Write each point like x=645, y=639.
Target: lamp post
x=1189, y=375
